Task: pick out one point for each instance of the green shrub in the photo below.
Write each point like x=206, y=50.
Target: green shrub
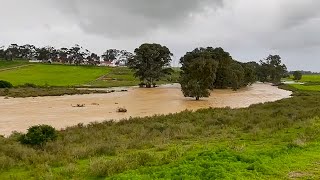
x=39, y=135
x=29, y=85
x=5, y=84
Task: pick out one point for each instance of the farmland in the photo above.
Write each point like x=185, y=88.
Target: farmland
x=311, y=83
x=71, y=76
x=53, y=75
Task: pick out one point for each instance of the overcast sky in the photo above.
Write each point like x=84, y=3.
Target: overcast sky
x=248, y=29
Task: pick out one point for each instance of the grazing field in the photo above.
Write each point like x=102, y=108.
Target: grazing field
x=311, y=83
x=10, y=64
x=53, y=75
x=279, y=140
x=310, y=78
x=67, y=75
x=123, y=76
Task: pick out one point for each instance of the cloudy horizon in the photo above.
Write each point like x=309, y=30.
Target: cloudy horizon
x=250, y=30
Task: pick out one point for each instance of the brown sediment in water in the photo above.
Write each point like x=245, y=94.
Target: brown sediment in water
x=17, y=114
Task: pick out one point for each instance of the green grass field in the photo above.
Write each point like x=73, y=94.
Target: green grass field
x=10, y=64
x=66, y=75
x=53, y=75
x=312, y=83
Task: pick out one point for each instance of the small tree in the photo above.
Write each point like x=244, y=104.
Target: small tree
x=151, y=62
x=39, y=135
x=197, y=77
x=297, y=75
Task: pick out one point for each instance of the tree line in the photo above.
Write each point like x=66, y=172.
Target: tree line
x=204, y=69
x=73, y=55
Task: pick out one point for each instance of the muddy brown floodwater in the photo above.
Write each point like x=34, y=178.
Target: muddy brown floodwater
x=17, y=114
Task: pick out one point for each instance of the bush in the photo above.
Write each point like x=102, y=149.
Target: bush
x=29, y=85
x=5, y=84
x=39, y=135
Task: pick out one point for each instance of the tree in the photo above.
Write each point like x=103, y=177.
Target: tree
x=2, y=52
x=13, y=51
x=63, y=55
x=117, y=56
x=27, y=51
x=150, y=62
x=110, y=55
x=76, y=54
x=297, y=75
x=271, y=69
x=93, y=59
x=197, y=77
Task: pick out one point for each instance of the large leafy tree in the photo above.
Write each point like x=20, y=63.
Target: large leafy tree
x=76, y=54
x=150, y=62
x=27, y=51
x=271, y=69
x=110, y=55
x=198, y=75
x=93, y=59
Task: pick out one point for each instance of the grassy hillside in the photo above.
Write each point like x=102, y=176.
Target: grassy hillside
x=53, y=75
x=66, y=75
x=279, y=140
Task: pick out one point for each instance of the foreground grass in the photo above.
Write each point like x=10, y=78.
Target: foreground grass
x=53, y=75
x=277, y=140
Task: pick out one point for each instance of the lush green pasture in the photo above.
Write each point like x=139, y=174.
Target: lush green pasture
x=312, y=83
x=123, y=76
x=279, y=140
x=66, y=75
x=310, y=78
x=53, y=75
x=10, y=64
x=306, y=87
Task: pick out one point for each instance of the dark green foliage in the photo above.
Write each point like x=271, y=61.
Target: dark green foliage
x=5, y=84
x=39, y=135
x=297, y=75
x=197, y=77
x=271, y=69
x=150, y=63
x=228, y=73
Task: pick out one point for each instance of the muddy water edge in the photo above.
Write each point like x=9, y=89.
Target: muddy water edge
x=17, y=114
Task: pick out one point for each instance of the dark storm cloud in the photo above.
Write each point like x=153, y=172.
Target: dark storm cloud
x=132, y=17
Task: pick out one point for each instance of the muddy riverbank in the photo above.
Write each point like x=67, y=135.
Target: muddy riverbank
x=17, y=114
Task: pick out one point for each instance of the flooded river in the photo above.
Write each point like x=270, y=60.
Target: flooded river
x=17, y=114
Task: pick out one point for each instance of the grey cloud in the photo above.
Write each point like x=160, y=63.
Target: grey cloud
x=119, y=18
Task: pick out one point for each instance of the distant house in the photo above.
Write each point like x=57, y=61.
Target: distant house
x=106, y=63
